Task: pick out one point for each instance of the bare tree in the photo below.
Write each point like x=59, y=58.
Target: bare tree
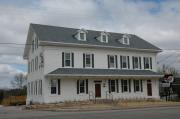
x=167, y=69
x=19, y=81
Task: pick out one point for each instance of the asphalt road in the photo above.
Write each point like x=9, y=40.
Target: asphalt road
x=147, y=113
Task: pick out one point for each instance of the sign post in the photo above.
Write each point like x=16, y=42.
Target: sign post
x=167, y=85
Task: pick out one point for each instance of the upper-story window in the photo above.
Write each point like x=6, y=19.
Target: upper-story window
x=104, y=37
x=147, y=63
x=124, y=62
x=88, y=60
x=32, y=45
x=67, y=59
x=112, y=61
x=125, y=39
x=136, y=62
x=81, y=35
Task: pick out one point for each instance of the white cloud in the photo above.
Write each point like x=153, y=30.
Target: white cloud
x=11, y=59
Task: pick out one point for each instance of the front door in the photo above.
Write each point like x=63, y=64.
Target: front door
x=98, y=90
x=149, y=88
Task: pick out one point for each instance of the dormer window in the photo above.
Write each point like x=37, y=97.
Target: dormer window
x=125, y=40
x=81, y=35
x=104, y=37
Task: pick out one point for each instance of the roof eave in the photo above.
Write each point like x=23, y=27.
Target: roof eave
x=50, y=43
x=96, y=75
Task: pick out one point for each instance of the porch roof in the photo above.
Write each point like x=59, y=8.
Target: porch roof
x=102, y=72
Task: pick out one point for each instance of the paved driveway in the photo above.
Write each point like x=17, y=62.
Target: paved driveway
x=148, y=113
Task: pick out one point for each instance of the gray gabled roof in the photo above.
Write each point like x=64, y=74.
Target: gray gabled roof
x=67, y=35
x=101, y=72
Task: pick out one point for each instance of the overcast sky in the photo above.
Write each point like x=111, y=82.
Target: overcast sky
x=157, y=21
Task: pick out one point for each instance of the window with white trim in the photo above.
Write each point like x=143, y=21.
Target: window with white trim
x=32, y=46
x=113, y=85
x=67, y=59
x=136, y=62
x=82, y=36
x=112, y=61
x=88, y=60
x=124, y=62
x=125, y=85
x=147, y=63
x=54, y=86
x=137, y=85
x=81, y=86
x=126, y=40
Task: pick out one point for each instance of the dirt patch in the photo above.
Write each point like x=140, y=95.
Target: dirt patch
x=91, y=105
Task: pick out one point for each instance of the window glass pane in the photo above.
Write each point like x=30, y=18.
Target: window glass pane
x=125, y=85
x=112, y=62
x=53, y=86
x=124, y=61
x=88, y=60
x=137, y=85
x=81, y=85
x=125, y=40
x=104, y=38
x=82, y=36
x=67, y=59
x=113, y=86
x=67, y=63
x=147, y=65
x=136, y=62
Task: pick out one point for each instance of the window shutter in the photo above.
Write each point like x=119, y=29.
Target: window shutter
x=140, y=62
x=128, y=62
x=77, y=86
x=134, y=86
x=62, y=59
x=122, y=89
x=109, y=85
x=151, y=62
x=86, y=86
x=83, y=60
x=59, y=87
x=72, y=58
x=144, y=63
x=129, y=85
x=121, y=61
x=108, y=61
x=133, y=61
x=141, y=86
x=116, y=61
x=92, y=60
x=117, y=85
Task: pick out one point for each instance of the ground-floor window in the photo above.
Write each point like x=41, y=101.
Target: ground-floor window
x=138, y=86
x=82, y=86
x=55, y=86
x=126, y=85
x=113, y=86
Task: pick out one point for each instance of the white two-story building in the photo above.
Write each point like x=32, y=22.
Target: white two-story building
x=67, y=64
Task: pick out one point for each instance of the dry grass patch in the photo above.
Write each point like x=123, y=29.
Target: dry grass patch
x=89, y=105
x=14, y=100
